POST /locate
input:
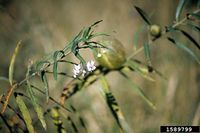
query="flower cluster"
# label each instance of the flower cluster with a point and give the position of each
(78, 69)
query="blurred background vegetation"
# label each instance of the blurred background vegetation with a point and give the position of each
(47, 25)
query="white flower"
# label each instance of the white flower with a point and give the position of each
(91, 66)
(77, 70)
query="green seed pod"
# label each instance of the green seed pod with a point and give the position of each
(155, 30)
(113, 56)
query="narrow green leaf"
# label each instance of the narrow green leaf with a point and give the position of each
(136, 36)
(147, 52)
(81, 59)
(57, 54)
(98, 34)
(194, 27)
(149, 69)
(170, 29)
(139, 70)
(75, 42)
(190, 38)
(95, 23)
(86, 32)
(114, 107)
(140, 92)
(186, 49)
(87, 35)
(38, 109)
(143, 15)
(46, 84)
(196, 15)
(71, 44)
(75, 50)
(179, 9)
(25, 113)
(12, 62)
(40, 64)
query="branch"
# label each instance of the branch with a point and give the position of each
(164, 32)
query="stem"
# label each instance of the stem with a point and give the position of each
(63, 74)
(42, 69)
(163, 33)
(184, 19)
(51, 98)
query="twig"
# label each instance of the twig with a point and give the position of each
(63, 74)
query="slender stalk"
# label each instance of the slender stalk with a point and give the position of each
(51, 98)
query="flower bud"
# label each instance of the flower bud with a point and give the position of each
(155, 30)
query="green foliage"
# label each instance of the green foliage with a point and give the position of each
(136, 36)
(12, 63)
(85, 39)
(186, 49)
(139, 91)
(34, 101)
(147, 52)
(190, 38)
(179, 8)
(196, 15)
(144, 15)
(25, 113)
(55, 65)
(139, 70)
(194, 27)
(46, 84)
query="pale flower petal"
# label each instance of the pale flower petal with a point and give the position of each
(77, 67)
(91, 66)
(76, 70)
